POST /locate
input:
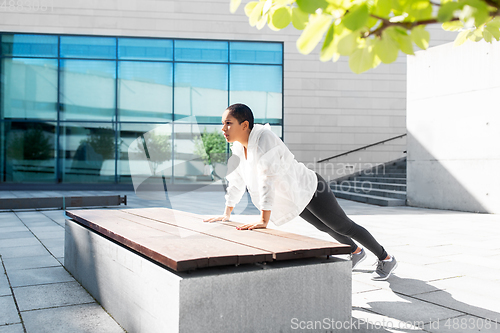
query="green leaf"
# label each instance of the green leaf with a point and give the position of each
(313, 33)
(310, 6)
(452, 26)
(461, 38)
(420, 37)
(476, 35)
(363, 58)
(356, 18)
(249, 7)
(386, 49)
(299, 18)
(382, 8)
(401, 37)
(256, 13)
(480, 11)
(347, 41)
(446, 11)
(233, 5)
(488, 37)
(328, 48)
(281, 17)
(494, 31)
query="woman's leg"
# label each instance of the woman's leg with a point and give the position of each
(325, 207)
(312, 219)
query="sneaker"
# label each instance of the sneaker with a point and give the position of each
(356, 258)
(384, 269)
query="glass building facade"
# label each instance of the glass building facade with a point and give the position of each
(71, 106)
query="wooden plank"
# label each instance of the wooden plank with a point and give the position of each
(283, 248)
(164, 244)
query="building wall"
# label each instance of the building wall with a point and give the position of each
(328, 110)
(454, 128)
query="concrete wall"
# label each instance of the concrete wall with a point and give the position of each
(328, 109)
(454, 128)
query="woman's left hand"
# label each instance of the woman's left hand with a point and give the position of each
(250, 226)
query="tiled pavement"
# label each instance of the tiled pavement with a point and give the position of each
(448, 279)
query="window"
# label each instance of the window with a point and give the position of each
(73, 107)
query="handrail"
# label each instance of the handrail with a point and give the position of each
(364, 147)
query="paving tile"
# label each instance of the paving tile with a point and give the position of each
(19, 242)
(4, 283)
(23, 251)
(465, 301)
(30, 262)
(463, 324)
(401, 307)
(367, 321)
(37, 276)
(51, 295)
(50, 234)
(8, 314)
(85, 318)
(5, 231)
(14, 328)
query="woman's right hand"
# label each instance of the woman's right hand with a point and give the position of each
(217, 218)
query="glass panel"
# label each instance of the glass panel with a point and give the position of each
(145, 49)
(135, 161)
(200, 90)
(29, 45)
(88, 152)
(28, 152)
(88, 47)
(259, 87)
(29, 88)
(200, 153)
(256, 53)
(200, 51)
(88, 90)
(145, 91)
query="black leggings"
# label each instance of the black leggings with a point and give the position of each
(324, 212)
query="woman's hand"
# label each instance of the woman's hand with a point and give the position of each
(222, 218)
(251, 226)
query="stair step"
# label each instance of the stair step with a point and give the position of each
(384, 175)
(375, 192)
(382, 179)
(370, 199)
(366, 185)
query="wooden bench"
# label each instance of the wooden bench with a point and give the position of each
(162, 270)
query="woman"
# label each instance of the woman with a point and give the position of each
(262, 163)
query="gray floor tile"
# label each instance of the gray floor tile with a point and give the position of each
(54, 234)
(87, 318)
(15, 328)
(4, 284)
(23, 251)
(8, 314)
(19, 242)
(14, 232)
(51, 295)
(30, 262)
(36, 276)
(463, 324)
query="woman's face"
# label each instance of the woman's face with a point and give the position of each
(233, 130)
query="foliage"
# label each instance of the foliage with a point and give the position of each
(211, 147)
(158, 148)
(102, 140)
(31, 144)
(373, 31)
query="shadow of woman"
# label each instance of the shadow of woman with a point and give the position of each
(415, 304)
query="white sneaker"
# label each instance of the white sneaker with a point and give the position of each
(356, 258)
(384, 269)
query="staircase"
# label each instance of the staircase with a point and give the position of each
(384, 185)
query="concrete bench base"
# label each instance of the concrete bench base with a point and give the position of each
(143, 296)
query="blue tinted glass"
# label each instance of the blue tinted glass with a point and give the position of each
(204, 51)
(29, 45)
(87, 152)
(88, 90)
(259, 87)
(201, 90)
(29, 88)
(145, 91)
(147, 49)
(256, 53)
(28, 152)
(88, 47)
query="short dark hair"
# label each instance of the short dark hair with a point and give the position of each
(241, 112)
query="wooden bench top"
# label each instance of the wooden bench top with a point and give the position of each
(182, 241)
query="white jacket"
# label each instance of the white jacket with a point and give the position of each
(275, 180)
